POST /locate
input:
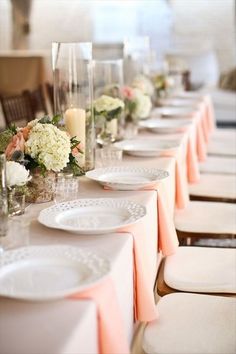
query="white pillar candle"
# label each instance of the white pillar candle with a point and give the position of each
(75, 122)
(112, 127)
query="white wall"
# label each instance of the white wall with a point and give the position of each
(73, 20)
(212, 20)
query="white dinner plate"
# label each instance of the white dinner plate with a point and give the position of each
(179, 102)
(146, 147)
(92, 216)
(127, 178)
(40, 273)
(165, 126)
(172, 112)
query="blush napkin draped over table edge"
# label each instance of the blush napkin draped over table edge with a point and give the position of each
(111, 333)
(145, 308)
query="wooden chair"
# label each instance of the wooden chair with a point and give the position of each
(219, 165)
(192, 324)
(38, 101)
(17, 108)
(223, 143)
(198, 270)
(201, 220)
(214, 188)
(49, 92)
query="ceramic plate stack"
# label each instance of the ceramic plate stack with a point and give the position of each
(146, 147)
(127, 178)
(42, 273)
(165, 126)
(172, 112)
(92, 216)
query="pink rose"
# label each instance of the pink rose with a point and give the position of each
(25, 131)
(128, 92)
(17, 144)
(76, 150)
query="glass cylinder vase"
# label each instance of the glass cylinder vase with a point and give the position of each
(3, 199)
(73, 95)
(136, 53)
(108, 81)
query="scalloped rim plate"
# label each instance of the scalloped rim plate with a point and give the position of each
(42, 273)
(165, 126)
(127, 178)
(173, 112)
(146, 147)
(92, 216)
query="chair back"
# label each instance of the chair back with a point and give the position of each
(38, 102)
(17, 108)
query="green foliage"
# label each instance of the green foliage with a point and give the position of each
(5, 138)
(54, 120)
(74, 167)
(108, 115)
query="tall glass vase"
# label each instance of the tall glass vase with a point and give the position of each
(3, 200)
(73, 95)
(108, 80)
(136, 52)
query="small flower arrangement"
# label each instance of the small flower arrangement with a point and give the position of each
(108, 107)
(145, 85)
(162, 84)
(16, 174)
(41, 145)
(137, 104)
(107, 111)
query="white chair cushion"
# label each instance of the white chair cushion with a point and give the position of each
(207, 217)
(216, 164)
(224, 134)
(223, 98)
(202, 269)
(192, 324)
(222, 186)
(222, 147)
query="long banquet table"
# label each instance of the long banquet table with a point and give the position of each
(72, 325)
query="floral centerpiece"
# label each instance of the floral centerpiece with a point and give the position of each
(137, 106)
(144, 84)
(44, 150)
(106, 109)
(162, 83)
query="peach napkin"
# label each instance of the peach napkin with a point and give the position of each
(200, 142)
(181, 183)
(145, 237)
(192, 161)
(209, 114)
(112, 338)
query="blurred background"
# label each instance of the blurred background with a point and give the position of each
(196, 35)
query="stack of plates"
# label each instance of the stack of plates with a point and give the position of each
(127, 178)
(92, 216)
(172, 112)
(42, 273)
(146, 147)
(165, 126)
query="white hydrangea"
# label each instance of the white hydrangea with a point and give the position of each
(32, 123)
(145, 85)
(16, 174)
(107, 104)
(49, 146)
(143, 104)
